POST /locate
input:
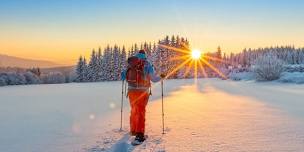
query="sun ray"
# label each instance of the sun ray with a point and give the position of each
(215, 59)
(219, 60)
(174, 48)
(185, 46)
(195, 69)
(179, 58)
(195, 72)
(197, 61)
(214, 68)
(203, 69)
(188, 68)
(177, 68)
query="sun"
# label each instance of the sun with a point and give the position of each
(196, 54)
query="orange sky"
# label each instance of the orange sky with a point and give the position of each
(67, 50)
(61, 31)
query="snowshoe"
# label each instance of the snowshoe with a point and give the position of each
(139, 139)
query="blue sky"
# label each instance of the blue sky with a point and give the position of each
(45, 28)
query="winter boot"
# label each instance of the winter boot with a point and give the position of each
(139, 139)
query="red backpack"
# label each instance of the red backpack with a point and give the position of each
(135, 75)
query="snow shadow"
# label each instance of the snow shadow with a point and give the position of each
(121, 145)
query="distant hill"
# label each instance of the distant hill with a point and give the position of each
(66, 70)
(11, 61)
(63, 69)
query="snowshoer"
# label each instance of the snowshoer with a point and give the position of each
(139, 74)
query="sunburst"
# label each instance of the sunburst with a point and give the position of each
(196, 54)
(193, 59)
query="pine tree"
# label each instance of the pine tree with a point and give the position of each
(116, 63)
(81, 70)
(93, 67)
(107, 64)
(86, 70)
(173, 41)
(301, 56)
(164, 56)
(111, 66)
(149, 50)
(123, 59)
(131, 51)
(99, 65)
(219, 52)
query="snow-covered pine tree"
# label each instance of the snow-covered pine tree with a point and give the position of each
(80, 76)
(130, 51)
(93, 67)
(107, 63)
(148, 49)
(85, 70)
(111, 65)
(219, 52)
(164, 56)
(99, 65)
(79, 69)
(289, 57)
(135, 49)
(297, 56)
(172, 55)
(301, 56)
(116, 63)
(155, 58)
(123, 59)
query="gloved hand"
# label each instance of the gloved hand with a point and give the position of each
(162, 76)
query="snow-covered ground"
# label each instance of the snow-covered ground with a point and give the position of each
(207, 115)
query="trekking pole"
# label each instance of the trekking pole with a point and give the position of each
(163, 114)
(121, 106)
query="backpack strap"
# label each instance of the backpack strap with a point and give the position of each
(150, 91)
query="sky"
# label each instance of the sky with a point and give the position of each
(62, 30)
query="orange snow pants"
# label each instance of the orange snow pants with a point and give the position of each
(138, 101)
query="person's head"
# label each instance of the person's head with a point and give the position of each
(142, 51)
(141, 54)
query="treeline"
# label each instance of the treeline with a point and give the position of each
(108, 64)
(165, 55)
(19, 76)
(288, 54)
(102, 66)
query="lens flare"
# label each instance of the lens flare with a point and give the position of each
(112, 105)
(92, 116)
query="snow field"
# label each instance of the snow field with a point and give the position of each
(202, 115)
(205, 117)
